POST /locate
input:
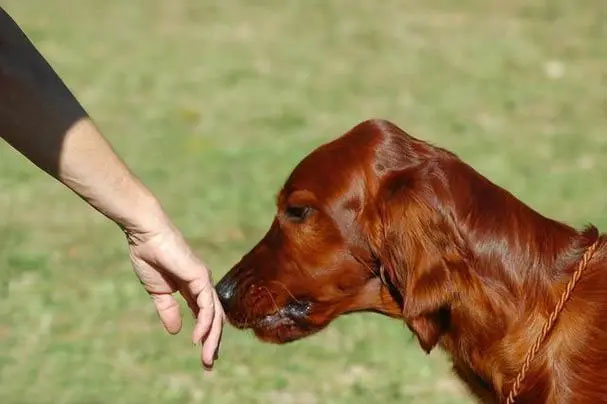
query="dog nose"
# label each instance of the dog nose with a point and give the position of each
(225, 290)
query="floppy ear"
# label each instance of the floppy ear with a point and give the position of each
(427, 295)
(418, 250)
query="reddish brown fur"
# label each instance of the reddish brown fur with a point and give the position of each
(466, 265)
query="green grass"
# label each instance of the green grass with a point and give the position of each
(212, 104)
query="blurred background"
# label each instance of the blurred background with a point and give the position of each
(212, 104)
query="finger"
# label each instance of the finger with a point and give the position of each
(187, 296)
(210, 348)
(168, 311)
(206, 306)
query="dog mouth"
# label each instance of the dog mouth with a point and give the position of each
(291, 313)
(294, 312)
(286, 324)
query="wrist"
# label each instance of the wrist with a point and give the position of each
(146, 220)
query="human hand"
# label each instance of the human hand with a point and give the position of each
(165, 264)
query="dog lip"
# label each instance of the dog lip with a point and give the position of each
(297, 309)
(291, 314)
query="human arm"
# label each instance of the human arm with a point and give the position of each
(41, 118)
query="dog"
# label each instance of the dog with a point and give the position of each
(378, 220)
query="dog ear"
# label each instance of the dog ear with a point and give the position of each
(427, 295)
(418, 251)
(428, 328)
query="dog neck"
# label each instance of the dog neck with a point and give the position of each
(479, 274)
(505, 250)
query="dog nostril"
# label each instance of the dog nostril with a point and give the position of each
(225, 290)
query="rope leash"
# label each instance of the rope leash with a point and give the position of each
(515, 389)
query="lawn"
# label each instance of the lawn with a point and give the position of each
(212, 104)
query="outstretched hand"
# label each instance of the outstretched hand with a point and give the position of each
(165, 264)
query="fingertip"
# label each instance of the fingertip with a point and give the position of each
(171, 322)
(168, 311)
(210, 348)
(207, 361)
(173, 328)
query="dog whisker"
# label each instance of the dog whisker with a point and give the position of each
(278, 311)
(287, 290)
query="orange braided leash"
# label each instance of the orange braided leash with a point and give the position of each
(515, 389)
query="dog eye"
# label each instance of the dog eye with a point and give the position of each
(298, 213)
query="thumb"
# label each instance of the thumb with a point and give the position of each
(168, 311)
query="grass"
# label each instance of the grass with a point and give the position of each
(212, 104)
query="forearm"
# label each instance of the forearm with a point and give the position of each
(42, 119)
(90, 167)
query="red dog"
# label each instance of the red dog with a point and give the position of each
(377, 220)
